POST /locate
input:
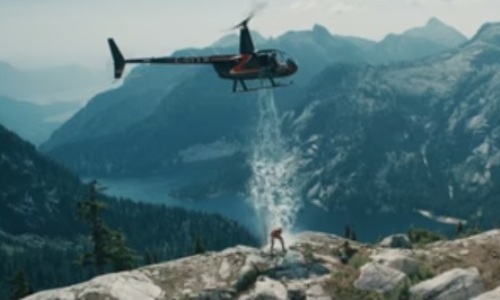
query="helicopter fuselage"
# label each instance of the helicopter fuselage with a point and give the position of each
(263, 64)
(248, 64)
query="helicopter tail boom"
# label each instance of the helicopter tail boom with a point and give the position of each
(119, 61)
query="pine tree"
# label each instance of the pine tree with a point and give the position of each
(89, 212)
(347, 231)
(354, 236)
(151, 257)
(108, 246)
(121, 257)
(460, 228)
(199, 248)
(20, 287)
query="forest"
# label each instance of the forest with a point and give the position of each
(46, 236)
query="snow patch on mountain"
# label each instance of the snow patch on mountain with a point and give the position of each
(218, 149)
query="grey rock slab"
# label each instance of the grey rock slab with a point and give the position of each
(455, 284)
(379, 278)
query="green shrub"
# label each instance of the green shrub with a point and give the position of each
(423, 236)
(425, 271)
(358, 260)
(402, 292)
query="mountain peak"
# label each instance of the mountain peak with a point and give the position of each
(321, 30)
(438, 32)
(488, 33)
(434, 22)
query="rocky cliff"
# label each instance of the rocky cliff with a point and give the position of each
(312, 269)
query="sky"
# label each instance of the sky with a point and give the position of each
(41, 33)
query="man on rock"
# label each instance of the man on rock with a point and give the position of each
(276, 234)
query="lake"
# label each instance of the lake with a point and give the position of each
(369, 228)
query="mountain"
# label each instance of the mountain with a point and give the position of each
(54, 84)
(437, 32)
(32, 199)
(416, 43)
(34, 122)
(40, 231)
(117, 132)
(115, 110)
(415, 135)
(181, 120)
(232, 41)
(312, 269)
(315, 49)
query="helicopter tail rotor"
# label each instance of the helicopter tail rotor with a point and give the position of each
(118, 60)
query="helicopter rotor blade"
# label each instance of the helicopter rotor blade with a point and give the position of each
(258, 6)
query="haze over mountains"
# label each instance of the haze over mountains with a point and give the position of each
(70, 83)
(34, 122)
(33, 103)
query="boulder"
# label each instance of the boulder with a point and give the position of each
(491, 295)
(316, 292)
(397, 260)
(396, 241)
(379, 278)
(268, 289)
(124, 286)
(455, 284)
(293, 266)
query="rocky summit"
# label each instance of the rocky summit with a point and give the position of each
(316, 266)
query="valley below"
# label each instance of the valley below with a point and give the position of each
(239, 207)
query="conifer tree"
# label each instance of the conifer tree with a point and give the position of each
(350, 233)
(151, 257)
(354, 236)
(89, 211)
(199, 247)
(109, 246)
(20, 287)
(347, 231)
(121, 257)
(460, 228)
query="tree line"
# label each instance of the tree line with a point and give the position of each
(118, 235)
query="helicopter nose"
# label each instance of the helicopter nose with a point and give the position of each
(292, 66)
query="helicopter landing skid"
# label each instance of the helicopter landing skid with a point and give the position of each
(262, 87)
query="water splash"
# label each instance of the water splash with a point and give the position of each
(272, 188)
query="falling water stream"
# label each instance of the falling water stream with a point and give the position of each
(274, 165)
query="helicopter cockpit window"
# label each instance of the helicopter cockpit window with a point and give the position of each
(273, 58)
(280, 57)
(264, 60)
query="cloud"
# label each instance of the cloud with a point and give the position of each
(335, 6)
(304, 5)
(430, 2)
(341, 7)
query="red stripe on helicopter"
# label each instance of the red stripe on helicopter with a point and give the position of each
(240, 67)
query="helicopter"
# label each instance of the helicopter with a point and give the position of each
(248, 64)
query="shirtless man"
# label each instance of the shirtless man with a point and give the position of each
(276, 234)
